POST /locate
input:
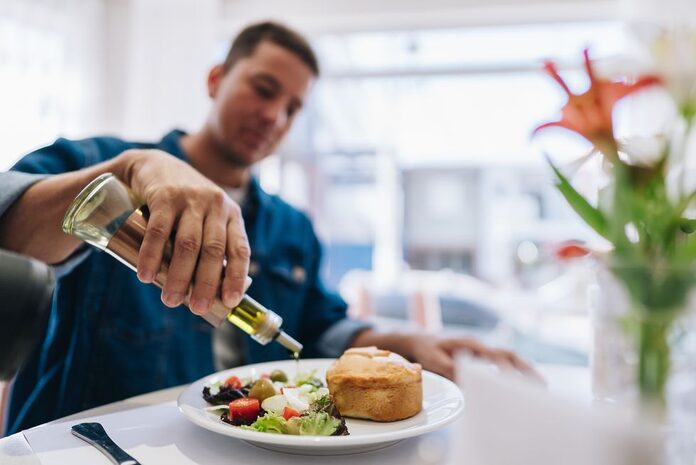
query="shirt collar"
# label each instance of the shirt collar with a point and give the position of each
(170, 143)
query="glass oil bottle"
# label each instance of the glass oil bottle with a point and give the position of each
(111, 217)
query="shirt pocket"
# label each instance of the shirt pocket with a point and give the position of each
(289, 274)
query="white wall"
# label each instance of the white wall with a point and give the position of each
(75, 68)
(50, 61)
(143, 63)
(161, 49)
(320, 16)
(160, 52)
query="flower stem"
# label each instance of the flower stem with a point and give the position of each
(654, 360)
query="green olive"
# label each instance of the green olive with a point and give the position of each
(262, 390)
(279, 375)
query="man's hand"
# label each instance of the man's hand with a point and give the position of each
(208, 228)
(437, 354)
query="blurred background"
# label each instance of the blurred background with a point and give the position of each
(413, 155)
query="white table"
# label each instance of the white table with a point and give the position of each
(431, 448)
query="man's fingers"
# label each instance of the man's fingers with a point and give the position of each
(434, 357)
(524, 367)
(187, 246)
(447, 370)
(238, 254)
(518, 362)
(208, 225)
(209, 269)
(440, 363)
(453, 345)
(159, 228)
(510, 361)
(500, 358)
(503, 358)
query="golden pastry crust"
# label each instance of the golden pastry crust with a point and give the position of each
(375, 384)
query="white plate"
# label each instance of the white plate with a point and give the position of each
(442, 403)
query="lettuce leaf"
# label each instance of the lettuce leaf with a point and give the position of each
(318, 424)
(269, 423)
(308, 378)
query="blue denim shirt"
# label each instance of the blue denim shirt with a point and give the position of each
(109, 337)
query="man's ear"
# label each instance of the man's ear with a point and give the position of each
(215, 76)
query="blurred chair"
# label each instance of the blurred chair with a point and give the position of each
(26, 287)
(3, 401)
(424, 310)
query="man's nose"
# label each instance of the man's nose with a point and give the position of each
(275, 114)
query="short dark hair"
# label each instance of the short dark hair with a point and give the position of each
(245, 44)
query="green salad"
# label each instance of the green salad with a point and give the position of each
(274, 404)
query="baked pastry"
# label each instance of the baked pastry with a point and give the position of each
(375, 384)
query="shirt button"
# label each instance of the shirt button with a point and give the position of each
(254, 268)
(299, 274)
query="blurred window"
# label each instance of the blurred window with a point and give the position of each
(46, 72)
(448, 96)
(448, 105)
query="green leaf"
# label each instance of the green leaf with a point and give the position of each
(269, 423)
(308, 378)
(687, 225)
(687, 253)
(591, 215)
(685, 202)
(318, 424)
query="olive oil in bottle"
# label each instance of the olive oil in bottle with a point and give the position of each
(261, 324)
(109, 216)
(247, 317)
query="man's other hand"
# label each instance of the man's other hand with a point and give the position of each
(437, 355)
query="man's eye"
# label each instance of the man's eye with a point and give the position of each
(292, 110)
(264, 92)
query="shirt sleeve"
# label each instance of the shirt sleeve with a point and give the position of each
(335, 340)
(60, 157)
(13, 186)
(325, 322)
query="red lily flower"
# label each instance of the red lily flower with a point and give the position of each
(590, 114)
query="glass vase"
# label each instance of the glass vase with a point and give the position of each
(644, 350)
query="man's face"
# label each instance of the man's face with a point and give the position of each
(255, 102)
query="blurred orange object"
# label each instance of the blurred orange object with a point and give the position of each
(571, 250)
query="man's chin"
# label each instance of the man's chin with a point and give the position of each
(243, 159)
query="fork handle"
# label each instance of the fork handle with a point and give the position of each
(94, 434)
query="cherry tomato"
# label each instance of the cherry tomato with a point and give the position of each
(244, 410)
(233, 382)
(289, 412)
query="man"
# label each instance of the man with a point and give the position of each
(109, 336)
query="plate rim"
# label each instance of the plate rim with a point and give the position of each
(313, 441)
